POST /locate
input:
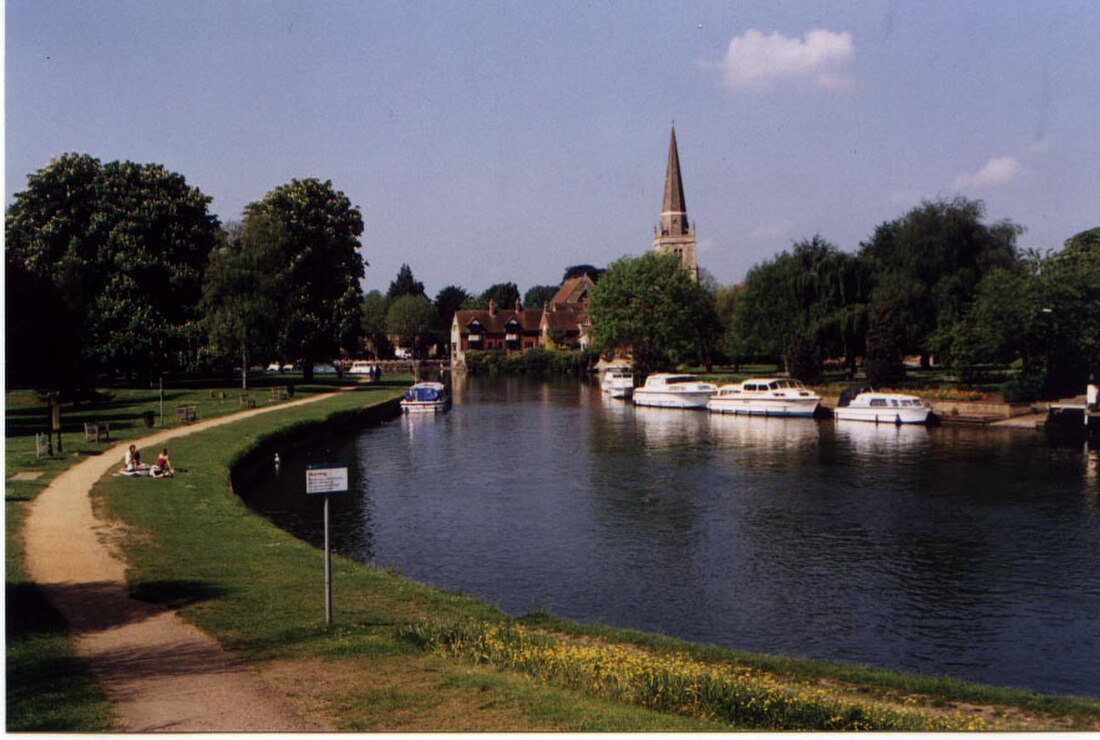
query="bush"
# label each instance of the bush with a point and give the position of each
(1024, 387)
(534, 362)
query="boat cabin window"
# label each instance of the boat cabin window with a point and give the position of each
(681, 379)
(878, 402)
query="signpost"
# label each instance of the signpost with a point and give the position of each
(323, 480)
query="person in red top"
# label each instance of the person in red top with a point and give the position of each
(162, 467)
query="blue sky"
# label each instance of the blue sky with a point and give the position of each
(495, 141)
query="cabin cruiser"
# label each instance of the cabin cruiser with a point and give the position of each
(863, 403)
(426, 396)
(765, 397)
(670, 390)
(618, 382)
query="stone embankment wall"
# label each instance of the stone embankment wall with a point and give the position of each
(948, 410)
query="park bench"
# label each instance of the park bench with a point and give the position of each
(279, 394)
(247, 402)
(97, 431)
(217, 395)
(187, 412)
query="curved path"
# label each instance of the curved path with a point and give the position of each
(160, 672)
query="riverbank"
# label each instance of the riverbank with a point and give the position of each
(193, 546)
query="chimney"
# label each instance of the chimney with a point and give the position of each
(519, 306)
(492, 307)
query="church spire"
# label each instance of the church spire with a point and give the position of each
(674, 207)
(674, 235)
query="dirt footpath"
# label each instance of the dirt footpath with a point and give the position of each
(161, 672)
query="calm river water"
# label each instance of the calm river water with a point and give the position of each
(968, 552)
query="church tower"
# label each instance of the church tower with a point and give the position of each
(674, 234)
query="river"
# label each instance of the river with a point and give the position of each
(968, 552)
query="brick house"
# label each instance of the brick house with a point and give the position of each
(506, 330)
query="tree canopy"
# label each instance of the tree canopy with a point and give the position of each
(121, 247)
(650, 305)
(503, 295)
(242, 293)
(412, 319)
(538, 296)
(321, 270)
(929, 263)
(404, 284)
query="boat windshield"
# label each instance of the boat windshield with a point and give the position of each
(422, 393)
(682, 379)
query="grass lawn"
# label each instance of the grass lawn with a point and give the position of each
(47, 686)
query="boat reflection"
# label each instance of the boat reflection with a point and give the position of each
(729, 430)
(665, 428)
(878, 439)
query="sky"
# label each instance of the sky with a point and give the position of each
(488, 142)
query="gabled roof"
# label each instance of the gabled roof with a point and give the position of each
(565, 318)
(495, 323)
(574, 290)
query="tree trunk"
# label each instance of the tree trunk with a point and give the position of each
(244, 371)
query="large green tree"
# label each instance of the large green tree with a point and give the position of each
(121, 247)
(374, 308)
(929, 262)
(413, 320)
(321, 269)
(242, 293)
(802, 306)
(650, 305)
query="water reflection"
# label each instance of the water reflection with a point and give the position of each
(938, 550)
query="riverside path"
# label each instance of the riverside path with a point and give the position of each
(161, 673)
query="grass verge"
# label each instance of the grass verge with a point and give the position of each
(193, 544)
(47, 686)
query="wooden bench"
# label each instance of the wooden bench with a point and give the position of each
(217, 395)
(97, 431)
(187, 412)
(278, 394)
(247, 402)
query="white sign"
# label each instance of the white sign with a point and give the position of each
(326, 480)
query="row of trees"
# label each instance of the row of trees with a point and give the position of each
(934, 282)
(119, 269)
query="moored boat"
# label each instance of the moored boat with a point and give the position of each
(670, 390)
(617, 382)
(427, 396)
(866, 404)
(765, 397)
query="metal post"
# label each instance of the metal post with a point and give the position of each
(162, 399)
(328, 570)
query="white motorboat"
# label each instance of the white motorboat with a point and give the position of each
(618, 382)
(765, 397)
(669, 390)
(427, 396)
(866, 404)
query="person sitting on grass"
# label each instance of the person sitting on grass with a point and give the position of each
(162, 466)
(132, 460)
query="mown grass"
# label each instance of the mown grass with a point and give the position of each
(48, 687)
(259, 592)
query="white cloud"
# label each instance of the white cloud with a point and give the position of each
(771, 229)
(756, 60)
(997, 171)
